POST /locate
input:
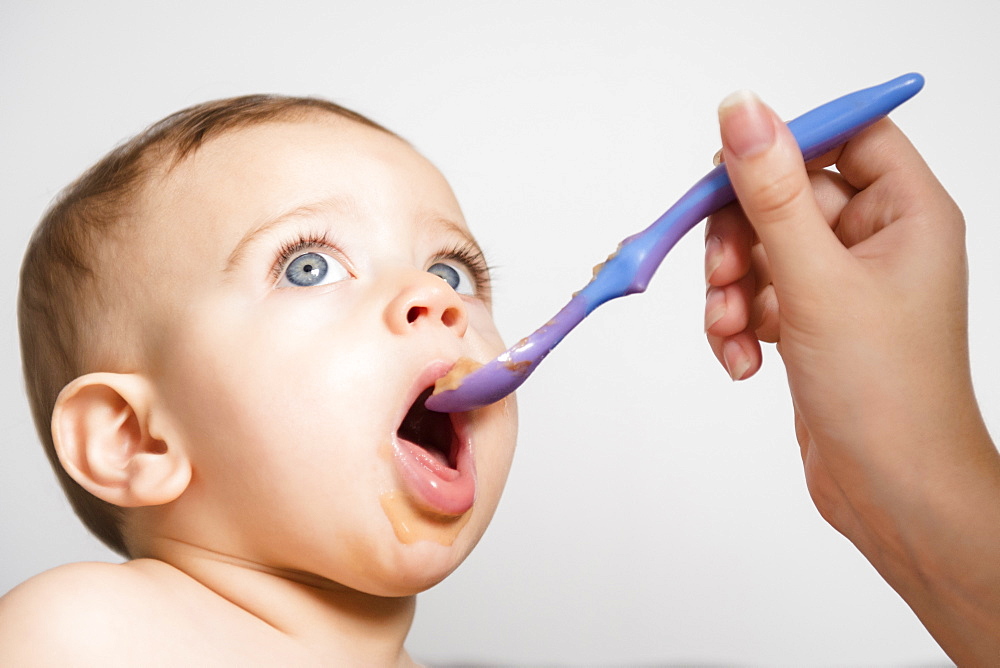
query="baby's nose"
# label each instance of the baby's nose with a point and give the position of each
(426, 300)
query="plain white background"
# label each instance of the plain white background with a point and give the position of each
(656, 511)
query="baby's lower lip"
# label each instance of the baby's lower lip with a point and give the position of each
(431, 484)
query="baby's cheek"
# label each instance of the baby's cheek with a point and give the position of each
(481, 322)
(495, 450)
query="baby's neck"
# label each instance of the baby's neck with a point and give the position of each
(327, 619)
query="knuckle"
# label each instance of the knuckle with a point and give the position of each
(777, 198)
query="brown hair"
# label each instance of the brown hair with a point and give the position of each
(61, 295)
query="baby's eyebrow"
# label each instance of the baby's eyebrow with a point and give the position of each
(333, 203)
(451, 227)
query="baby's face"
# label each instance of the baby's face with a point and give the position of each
(308, 282)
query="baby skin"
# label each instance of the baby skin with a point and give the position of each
(860, 277)
(285, 497)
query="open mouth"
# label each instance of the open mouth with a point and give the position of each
(432, 432)
(433, 457)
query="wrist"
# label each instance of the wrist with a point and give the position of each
(935, 538)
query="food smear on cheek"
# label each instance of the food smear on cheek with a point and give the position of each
(410, 525)
(453, 379)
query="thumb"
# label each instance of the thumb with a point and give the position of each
(769, 176)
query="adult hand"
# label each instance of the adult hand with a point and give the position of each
(860, 277)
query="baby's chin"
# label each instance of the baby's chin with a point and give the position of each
(418, 567)
(378, 564)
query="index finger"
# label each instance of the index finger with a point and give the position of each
(878, 150)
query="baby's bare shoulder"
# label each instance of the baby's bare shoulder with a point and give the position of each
(81, 612)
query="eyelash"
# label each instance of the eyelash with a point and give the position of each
(467, 253)
(300, 242)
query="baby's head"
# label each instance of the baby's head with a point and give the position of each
(228, 325)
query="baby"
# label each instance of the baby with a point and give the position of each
(231, 323)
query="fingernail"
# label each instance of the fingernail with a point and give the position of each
(715, 307)
(737, 362)
(717, 158)
(746, 126)
(713, 255)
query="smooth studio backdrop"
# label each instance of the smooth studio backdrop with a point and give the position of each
(656, 511)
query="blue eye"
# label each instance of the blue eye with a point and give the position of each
(454, 275)
(310, 269)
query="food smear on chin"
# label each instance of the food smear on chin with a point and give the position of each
(412, 525)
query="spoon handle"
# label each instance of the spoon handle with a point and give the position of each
(638, 257)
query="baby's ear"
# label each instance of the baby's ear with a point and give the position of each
(102, 434)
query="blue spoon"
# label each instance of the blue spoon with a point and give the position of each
(629, 268)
